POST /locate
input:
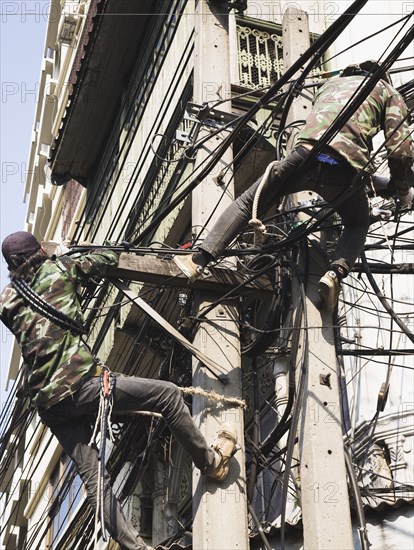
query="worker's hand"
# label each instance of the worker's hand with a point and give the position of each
(53, 248)
(406, 200)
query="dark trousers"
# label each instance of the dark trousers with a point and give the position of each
(69, 421)
(332, 182)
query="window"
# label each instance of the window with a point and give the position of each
(65, 491)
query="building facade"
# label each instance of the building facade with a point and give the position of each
(115, 142)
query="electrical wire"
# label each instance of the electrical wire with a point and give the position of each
(296, 413)
(366, 38)
(362, 527)
(384, 301)
(312, 55)
(285, 483)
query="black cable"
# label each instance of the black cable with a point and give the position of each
(383, 299)
(362, 526)
(252, 477)
(405, 18)
(313, 53)
(259, 527)
(239, 157)
(296, 413)
(39, 305)
(135, 109)
(148, 184)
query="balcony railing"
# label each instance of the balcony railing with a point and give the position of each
(260, 55)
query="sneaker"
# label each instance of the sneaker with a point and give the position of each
(329, 288)
(188, 267)
(225, 447)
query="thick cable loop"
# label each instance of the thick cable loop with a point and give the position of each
(38, 304)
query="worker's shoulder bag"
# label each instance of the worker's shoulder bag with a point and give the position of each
(40, 305)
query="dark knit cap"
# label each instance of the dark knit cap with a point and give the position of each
(22, 243)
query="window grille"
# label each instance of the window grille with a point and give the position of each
(164, 177)
(260, 55)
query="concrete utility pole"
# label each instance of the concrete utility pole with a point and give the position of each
(219, 509)
(323, 481)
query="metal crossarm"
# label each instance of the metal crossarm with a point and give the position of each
(213, 367)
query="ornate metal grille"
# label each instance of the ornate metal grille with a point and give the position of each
(260, 55)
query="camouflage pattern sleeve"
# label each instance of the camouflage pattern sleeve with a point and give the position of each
(384, 109)
(58, 361)
(89, 265)
(7, 291)
(398, 142)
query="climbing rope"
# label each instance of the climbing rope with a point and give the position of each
(199, 392)
(104, 421)
(214, 396)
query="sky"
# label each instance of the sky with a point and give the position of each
(22, 37)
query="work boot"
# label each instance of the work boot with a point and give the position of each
(188, 267)
(225, 447)
(329, 288)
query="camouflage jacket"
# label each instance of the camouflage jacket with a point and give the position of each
(384, 109)
(57, 361)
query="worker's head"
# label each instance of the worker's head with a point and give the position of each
(22, 251)
(366, 68)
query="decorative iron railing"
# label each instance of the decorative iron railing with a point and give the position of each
(260, 55)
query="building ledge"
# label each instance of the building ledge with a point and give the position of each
(115, 35)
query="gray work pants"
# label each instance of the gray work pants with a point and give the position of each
(330, 181)
(69, 421)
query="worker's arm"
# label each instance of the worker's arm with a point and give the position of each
(93, 264)
(399, 146)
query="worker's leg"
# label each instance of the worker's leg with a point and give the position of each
(74, 436)
(352, 205)
(355, 218)
(135, 394)
(238, 214)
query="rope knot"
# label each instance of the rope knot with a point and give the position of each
(259, 231)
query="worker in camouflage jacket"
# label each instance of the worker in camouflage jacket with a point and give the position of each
(345, 162)
(63, 378)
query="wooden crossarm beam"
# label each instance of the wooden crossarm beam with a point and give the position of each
(159, 272)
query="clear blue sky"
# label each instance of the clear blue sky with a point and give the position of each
(22, 36)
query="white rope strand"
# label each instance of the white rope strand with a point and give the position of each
(259, 227)
(199, 392)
